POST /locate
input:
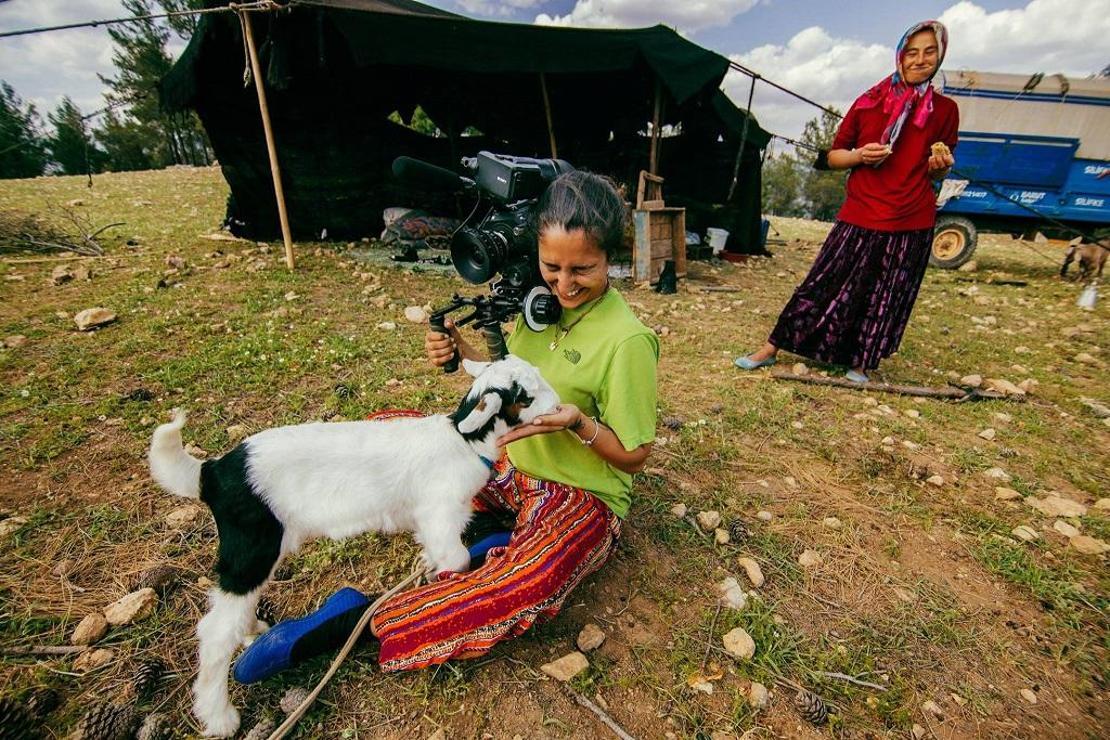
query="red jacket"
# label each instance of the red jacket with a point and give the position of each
(898, 194)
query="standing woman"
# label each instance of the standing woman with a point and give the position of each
(853, 307)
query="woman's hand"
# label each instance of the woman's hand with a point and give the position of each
(874, 154)
(440, 347)
(563, 417)
(940, 164)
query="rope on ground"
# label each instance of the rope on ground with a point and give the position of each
(296, 714)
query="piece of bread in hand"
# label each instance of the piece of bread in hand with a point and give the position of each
(940, 149)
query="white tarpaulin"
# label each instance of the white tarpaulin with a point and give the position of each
(1042, 105)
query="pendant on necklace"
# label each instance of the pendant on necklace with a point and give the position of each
(553, 345)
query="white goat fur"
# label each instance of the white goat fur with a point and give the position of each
(341, 479)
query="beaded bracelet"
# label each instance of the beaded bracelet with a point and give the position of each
(597, 430)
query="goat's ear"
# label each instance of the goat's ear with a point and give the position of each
(474, 368)
(481, 413)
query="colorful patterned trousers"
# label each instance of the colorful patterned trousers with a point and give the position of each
(562, 534)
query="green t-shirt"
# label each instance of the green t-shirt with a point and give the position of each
(605, 365)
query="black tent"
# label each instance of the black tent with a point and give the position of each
(336, 69)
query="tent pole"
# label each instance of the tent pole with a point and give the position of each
(271, 149)
(743, 142)
(653, 163)
(547, 112)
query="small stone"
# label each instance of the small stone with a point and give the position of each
(1004, 418)
(1029, 696)
(905, 594)
(182, 517)
(175, 261)
(932, 707)
(988, 434)
(61, 274)
(1103, 504)
(832, 522)
(566, 667)
(15, 340)
(11, 524)
(997, 474)
(788, 480)
(1003, 386)
(912, 413)
(235, 433)
(90, 660)
(888, 441)
(415, 315)
(764, 516)
(1065, 529)
(293, 699)
(387, 326)
(809, 559)
(731, 595)
(720, 536)
(132, 607)
(590, 638)
(935, 480)
(708, 520)
(1002, 493)
(910, 445)
(92, 318)
(1054, 505)
(1024, 533)
(918, 731)
(1086, 358)
(90, 630)
(679, 510)
(739, 644)
(1089, 545)
(1029, 385)
(392, 383)
(973, 381)
(758, 696)
(800, 368)
(754, 572)
(969, 266)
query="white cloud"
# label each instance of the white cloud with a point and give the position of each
(1067, 36)
(497, 7)
(688, 17)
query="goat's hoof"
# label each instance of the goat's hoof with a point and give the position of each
(223, 724)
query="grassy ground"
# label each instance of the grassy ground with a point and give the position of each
(921, 590)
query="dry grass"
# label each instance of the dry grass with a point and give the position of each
(920, 590)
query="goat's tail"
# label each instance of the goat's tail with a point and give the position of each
(170, 465)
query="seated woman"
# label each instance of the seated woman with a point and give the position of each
(565, 481)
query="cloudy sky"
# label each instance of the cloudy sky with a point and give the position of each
(828, 51)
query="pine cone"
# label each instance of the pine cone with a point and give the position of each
(162, 578)
(155, 727)
(810, 706)
(16, 722)
(109, 721)
(146, 678)
(43, 702)
(267, 611)
(262, 730)
(738, 531)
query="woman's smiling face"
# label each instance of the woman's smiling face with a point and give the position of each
(920, 57)
(573, 266)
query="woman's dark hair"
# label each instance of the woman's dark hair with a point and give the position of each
(583, 200)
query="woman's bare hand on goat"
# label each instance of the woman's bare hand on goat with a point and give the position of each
(563, 417)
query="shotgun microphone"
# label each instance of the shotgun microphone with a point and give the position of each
(421, 174)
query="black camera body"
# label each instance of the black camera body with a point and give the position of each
(498, 238)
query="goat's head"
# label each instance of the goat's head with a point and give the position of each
(510, 391)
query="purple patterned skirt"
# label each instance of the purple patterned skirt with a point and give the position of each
(854, 304)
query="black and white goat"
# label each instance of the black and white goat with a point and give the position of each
(284, 486)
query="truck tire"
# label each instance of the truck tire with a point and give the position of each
(954, 241)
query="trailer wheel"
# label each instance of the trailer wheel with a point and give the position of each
(954, 241)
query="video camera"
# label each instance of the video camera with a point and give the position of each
(498, 237)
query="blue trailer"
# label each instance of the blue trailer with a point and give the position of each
(1031, 149)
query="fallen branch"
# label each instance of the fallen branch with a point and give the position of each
(44, 650)
(601, 714)
(952, 392)
(849, 679)
(719, 288)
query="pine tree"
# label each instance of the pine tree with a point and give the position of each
(22, 149)
(823, 190)
(141, 60)
(71, 145)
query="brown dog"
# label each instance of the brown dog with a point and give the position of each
(1092, 258)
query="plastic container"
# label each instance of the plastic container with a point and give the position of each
(717, 239)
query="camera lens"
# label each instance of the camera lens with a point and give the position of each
(477, 254)
(541, 308)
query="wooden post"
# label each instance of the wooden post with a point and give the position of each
(264, 109)
(656, 121)
(743, 142)
(547, 112)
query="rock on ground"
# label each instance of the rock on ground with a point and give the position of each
(755, 573)
(132, 607)
(91, 629)
(566, 667)
(739, 644)
(92, 318)
(590, 638)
